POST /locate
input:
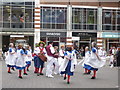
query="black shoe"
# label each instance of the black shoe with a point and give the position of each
(9, 72)
(41, 74)
(13, 69)
(64, 78)
(20, 77)
(38, 74)
(85, 73)
(93, 78)
(27, 69)
(68, 82)
(25, 74)
(35, 72)
(89, 72)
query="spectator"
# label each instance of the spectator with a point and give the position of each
(118, 57)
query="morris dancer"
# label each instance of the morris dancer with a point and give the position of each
(61, 57)
(29, 56)
(94, 62)
(67, 67)
(39, 62)
(50, 59)
(20, 62)
(11, 58)
(87, 56)
(35, 60)
(56, 64)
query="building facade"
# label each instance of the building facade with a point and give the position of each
(17, 22)
(64, 23)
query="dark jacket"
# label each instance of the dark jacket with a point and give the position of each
(118, 58)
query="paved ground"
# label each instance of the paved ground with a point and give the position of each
(0, 74)
(106, 78)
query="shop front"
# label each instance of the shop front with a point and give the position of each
(58, 38)
(85, 38)
(18, 39)
(110, 39)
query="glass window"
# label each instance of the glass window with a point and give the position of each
(29, 2)
(53, 17)
(17, 2)
(28, 18)
(7, 16)
(6, 2)
(110, 19)
(83, 18)
(47, 17)
(17, 14)
(1, 16)
(118, 17)
(90, 17)
(17, 17)
(118, 20)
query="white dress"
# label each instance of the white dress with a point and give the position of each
(20, 62)
(28, 56)
(61, 59)
(87, 56)
(75, 59)
(66, 61)
(11, 58)
(93, 61)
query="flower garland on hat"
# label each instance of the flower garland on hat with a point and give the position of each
(41, 42)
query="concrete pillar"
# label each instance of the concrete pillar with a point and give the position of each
(99, 28)
(69, 27)
(37, 22)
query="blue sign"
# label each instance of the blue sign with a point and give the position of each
(111, 35)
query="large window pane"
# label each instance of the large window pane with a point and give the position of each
(6, 13)
(17, 2)
(53, 17)
(6, 2)
(7, 16)
(47, 15)
(118, 17)
(90, 17)
(18, 17)
(110, 19)
(1, 16)
(83, 18)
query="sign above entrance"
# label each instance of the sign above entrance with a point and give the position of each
(110, 35)
(53, 34)
(16, 35)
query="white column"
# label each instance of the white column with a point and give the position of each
(99, 26)
(69, 26)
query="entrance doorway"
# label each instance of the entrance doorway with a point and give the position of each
(83, 44)
(112, 43)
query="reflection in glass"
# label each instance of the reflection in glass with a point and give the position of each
(53, 17)
(6, 14)
(111, 19)
(17, 15)
(83, 18)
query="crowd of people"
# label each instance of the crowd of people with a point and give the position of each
(58, 61)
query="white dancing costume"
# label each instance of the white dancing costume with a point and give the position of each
(75, 59)
(68, 65)
(11, 57)
(87, 56)
(28, 57)
(50, 61)
(93, 62)
(20, 62)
